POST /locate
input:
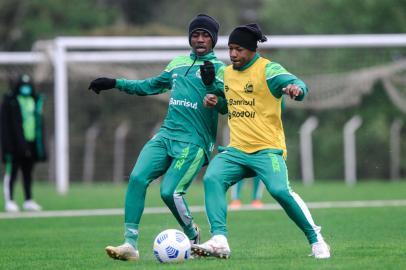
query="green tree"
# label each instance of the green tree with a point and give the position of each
(138, 11)
(333, 16)
(24, 22)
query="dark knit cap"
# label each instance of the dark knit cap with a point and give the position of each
(206, 23)
(247, 36)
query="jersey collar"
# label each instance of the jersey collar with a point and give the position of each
(250, 63)
(208, 56)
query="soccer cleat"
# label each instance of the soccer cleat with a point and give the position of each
(124, 252)
(11, 207)
(31, 205)
(257, 204)
(196, 240)
(235, 204)
(320, 250)
(217, 247)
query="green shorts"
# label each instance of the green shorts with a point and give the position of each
(234, 165)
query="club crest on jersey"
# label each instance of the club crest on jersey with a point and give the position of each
(249, 87)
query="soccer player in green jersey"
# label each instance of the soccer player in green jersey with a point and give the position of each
(185, 140)
(254, 87)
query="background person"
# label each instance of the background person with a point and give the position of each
(22, 139)
(256, 193)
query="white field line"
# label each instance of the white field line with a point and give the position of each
(196, 209)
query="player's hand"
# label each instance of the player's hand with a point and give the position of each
(210, 100)
(207, 72)
(102, 84)
(292, 90)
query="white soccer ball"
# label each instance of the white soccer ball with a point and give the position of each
(171, 246)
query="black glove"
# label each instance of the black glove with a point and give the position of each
(102, 84)
(207, 72)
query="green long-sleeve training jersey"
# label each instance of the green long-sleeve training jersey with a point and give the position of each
(187, 120)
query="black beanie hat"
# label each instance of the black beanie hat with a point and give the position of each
(206, 23)
(247, 36)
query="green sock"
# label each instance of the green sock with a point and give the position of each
(131, 234)
(190, 231)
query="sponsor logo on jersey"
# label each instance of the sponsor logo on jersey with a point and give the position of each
(183, 102)
(241, 114)
(237, 102)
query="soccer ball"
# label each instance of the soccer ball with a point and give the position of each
(171, 246)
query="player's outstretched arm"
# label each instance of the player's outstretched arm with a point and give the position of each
(101, 84)
(293, 91)
(282, 82)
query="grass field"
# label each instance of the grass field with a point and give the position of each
(361, 238)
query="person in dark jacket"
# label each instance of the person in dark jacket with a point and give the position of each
(22, 139)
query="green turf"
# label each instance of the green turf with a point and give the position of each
(112, 196)
(361, 238)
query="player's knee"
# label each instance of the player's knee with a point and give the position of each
(138, 180)
(279, 194)
(167, 195)
(210, 179)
